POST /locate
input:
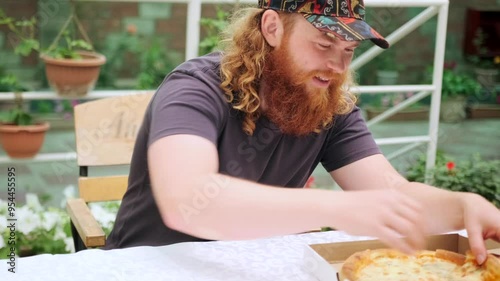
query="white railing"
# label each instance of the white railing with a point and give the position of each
(439, 7)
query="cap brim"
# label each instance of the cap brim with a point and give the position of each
(349, 29)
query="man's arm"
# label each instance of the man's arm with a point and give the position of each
(194, 198)
(443, 210)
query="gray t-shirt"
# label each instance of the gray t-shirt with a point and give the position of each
(190, 101)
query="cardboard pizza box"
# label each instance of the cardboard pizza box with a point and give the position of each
(324, 260)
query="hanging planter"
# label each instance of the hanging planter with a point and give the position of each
(22, 141)
(72, 68)
(73, 77)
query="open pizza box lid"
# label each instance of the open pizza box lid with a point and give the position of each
(324, 260)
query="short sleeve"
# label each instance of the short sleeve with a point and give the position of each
(349, 140)
(187, 103)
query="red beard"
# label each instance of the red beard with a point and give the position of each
(294, 108)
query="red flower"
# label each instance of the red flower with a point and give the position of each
(450, 165)
(309, 182)
(450, 65)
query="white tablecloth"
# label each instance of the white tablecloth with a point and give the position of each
(277, 258)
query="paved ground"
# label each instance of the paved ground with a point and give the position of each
(458, 140)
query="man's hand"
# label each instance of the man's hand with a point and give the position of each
(482, 221)
(387, 214)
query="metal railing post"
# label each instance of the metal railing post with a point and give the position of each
(437, 82)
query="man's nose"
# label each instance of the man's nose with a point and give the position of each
(337, 63)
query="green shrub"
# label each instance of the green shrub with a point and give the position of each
(455, 84)
(213, 27)
(473, 175)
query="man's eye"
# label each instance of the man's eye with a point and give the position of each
(324, 46)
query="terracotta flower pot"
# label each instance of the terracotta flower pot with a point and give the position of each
(72, 77)
(22, 141)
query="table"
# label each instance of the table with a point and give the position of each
(276, 258)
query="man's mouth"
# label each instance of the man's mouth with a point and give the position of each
(322, 78)
(321, 81)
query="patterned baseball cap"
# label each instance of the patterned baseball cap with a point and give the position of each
(343, 18)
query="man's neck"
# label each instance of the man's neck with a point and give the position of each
(263, 87)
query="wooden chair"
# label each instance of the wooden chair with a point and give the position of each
(105, 135)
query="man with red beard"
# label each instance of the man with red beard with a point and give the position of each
(230, 139)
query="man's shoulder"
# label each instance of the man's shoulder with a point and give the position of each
(197, 79)
(343, 119)
(204, 65)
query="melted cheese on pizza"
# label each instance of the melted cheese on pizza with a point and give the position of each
(413, 269)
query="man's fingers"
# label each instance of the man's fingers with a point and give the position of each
(393, 239)
(410, 223)
(477, 246)
(493, 234)
(408, 227)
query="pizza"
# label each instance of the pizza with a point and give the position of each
(439, 265)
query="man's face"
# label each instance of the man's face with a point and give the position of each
(303, 79)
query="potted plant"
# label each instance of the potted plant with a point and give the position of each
(20, 135)
(486, 66)
(456, 88)
(71, 65)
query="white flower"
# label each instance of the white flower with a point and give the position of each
(60, 235)
(68, 192)
(27, 220)
(103, 216)
(3, 206)
(50, 220)
(70, 246)
(33, 202)
(3, 224)
(2, 242)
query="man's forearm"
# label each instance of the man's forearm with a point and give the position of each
(443, 208)
(223, 207)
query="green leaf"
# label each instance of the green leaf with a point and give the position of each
(81, 44)
(26, 47)
(19, 117)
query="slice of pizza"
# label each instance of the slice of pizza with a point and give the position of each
(439, 265)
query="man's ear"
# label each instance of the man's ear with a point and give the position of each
(271, 27)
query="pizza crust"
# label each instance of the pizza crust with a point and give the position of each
(359, 260)
(492, 266)
(448, 265)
